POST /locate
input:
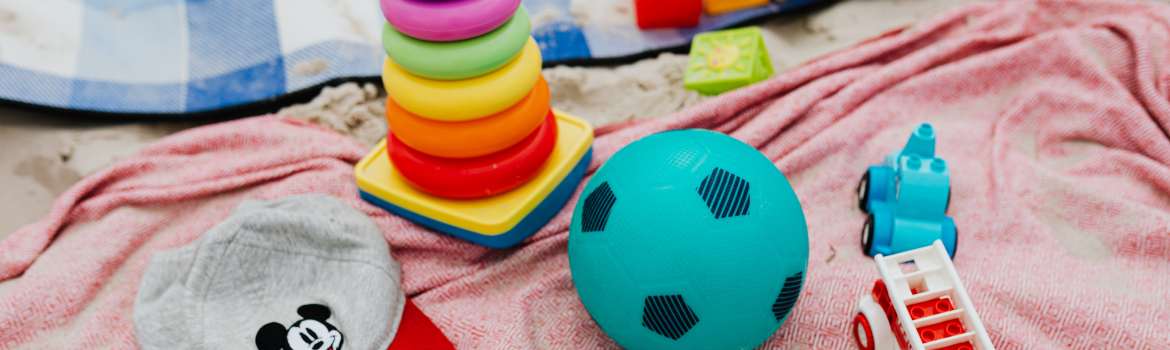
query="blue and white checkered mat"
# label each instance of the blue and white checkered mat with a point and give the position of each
(177, 57)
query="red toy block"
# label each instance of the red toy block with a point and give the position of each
(931, 307)
(668, 13)
(941, 331)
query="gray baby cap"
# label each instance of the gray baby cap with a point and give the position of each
(303, 272)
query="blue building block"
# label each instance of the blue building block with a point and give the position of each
(907, 198)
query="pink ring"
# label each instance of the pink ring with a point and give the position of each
(447, 20)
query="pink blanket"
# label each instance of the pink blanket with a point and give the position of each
(1053, 116)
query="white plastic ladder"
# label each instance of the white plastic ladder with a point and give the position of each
(930, 271)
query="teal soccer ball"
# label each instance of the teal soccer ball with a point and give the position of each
(688, 239)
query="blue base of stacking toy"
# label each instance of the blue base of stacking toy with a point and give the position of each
(531, 223)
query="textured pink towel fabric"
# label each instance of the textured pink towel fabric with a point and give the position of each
(1053, 116)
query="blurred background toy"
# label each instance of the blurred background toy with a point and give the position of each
(726, 60)
(688, 239)
(907, 198)
(652, 14)
(718, 7)
(918, 303)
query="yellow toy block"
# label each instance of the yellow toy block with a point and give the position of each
(726, 60)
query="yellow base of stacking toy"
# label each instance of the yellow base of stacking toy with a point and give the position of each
(460, 100)
(479, 219)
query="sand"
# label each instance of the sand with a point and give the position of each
(648, 88)
(351, 109)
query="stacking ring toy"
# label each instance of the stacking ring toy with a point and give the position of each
(449, 20)
(472, 138)
(458, 59)
(476, 177)
(459, 100)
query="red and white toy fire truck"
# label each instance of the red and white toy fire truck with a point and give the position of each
(919, 304)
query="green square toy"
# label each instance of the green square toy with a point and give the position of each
(727, 60)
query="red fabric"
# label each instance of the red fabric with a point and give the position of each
(1052, 115)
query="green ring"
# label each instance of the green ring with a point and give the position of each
(455, 60)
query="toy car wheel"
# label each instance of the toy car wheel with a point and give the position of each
(863, 191)
(867, 235)
(862, 332)
(871, 326)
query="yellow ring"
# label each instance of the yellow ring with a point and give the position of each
(468, 99)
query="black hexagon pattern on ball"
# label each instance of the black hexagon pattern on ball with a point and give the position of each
(787, 297)
(668, 315)
(598, 205)
(725, 193)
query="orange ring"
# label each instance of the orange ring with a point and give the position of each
(471, 138)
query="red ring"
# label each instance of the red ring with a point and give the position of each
(480, 176)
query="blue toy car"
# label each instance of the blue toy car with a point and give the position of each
(907, 199)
